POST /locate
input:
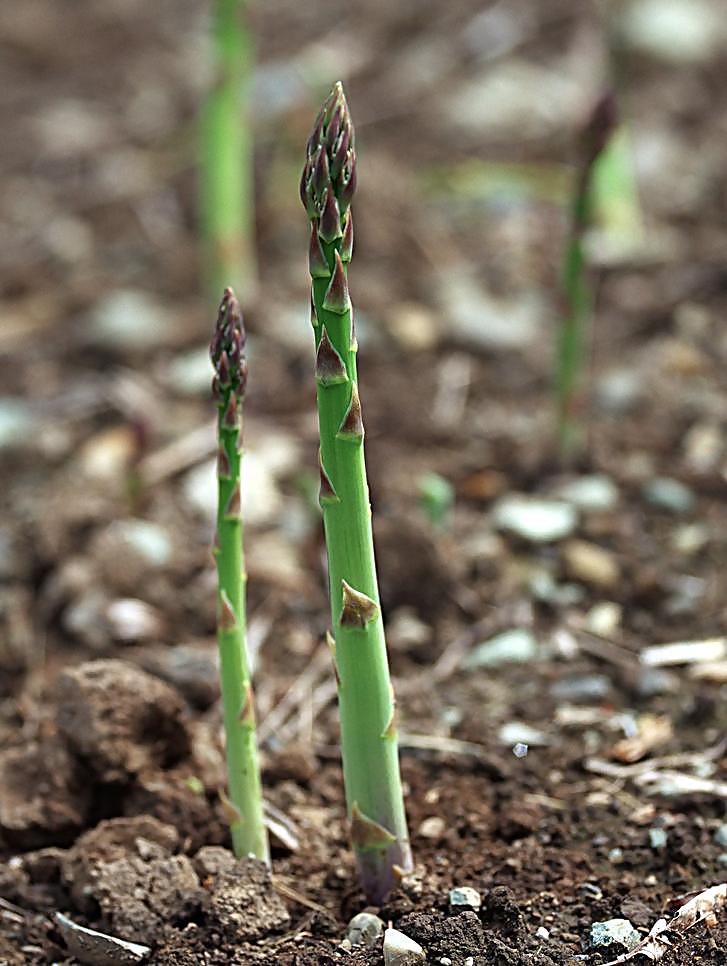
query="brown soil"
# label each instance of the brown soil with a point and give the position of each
(110, 757)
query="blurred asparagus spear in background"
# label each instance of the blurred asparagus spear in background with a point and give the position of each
(368, 727)
(577, 286)
(244, 804)
(226, 162)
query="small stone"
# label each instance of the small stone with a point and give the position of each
(678, 32)
(98, 948)
(542, 933)
(400, 950)
(16, 422)
(364, 929)
(615, 856)
(445, 961)
(604, 619)
(514, 733)
(433, 827)
(469, 961)
(190, 373)
(534, 519)
(722, 858)
(720, 836)
(619, 390)
(130, 320)
(596, 493)
(657, 838)
(614, 932)
(591, 564)
(464, 897)
(690, 538)
(520, 749)
(584, 687)
(669, 494)
(517, 646)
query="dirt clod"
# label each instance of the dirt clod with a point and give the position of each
(43, 799)
(126, 869)
(243, 903)
(120, 719)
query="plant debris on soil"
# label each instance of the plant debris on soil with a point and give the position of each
(557, 759)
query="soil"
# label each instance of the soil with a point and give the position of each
(574, 785)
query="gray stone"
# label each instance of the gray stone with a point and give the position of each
(585, 687)
(542, 933)
(614, 932)
(364, 929)
(132, 320)
(517, 646)
(98, 948)
(669, 494)
(657, 838)
(535, 519)
(464, 897)
(678, 32)
(517, 732)
(720, 836)
(16, 422)
(596, 492)
(401, 950)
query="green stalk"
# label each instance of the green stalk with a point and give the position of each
(577, 288)
(226, 163)
(244, 803)
(368, 730)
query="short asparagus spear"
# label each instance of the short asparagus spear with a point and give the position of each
(368, 726)
(577, 288)
(244, 802)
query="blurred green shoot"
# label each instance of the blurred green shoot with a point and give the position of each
(616, 205)
(436, 498)
(577, 286)
(226, 156)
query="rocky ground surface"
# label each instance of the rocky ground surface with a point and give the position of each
(562, 771)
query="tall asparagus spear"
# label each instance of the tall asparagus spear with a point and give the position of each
(368, 727)
(226, 157)
(244, 804)
(577, 287)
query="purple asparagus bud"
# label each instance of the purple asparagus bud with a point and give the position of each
(330, 162)
(598, 128)
(227, 350)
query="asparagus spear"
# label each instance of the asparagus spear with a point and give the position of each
(244, 804)
(577, 288)
(368, 727)
(226, 162)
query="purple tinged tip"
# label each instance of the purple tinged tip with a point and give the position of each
(329, 227)
(317, 264)
(234, 504)
(599, 127)
(347, 243)
(337, 298)
(223, 464)
(352, 426)
(231, 419)
(330, 367)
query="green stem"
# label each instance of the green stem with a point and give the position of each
(368, 729)
(244, 804)
(226, 168)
